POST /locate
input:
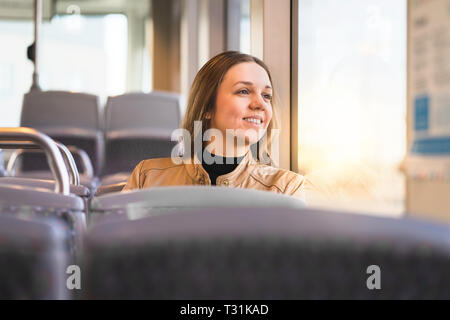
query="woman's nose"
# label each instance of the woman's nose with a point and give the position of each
(257, 102)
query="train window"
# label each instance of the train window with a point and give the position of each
(352, 102)
(78, 53)
(15, 75)
(244, 41)
(85, 53)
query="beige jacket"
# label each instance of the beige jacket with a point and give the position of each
(163, 172)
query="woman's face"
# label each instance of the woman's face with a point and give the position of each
(244, 102)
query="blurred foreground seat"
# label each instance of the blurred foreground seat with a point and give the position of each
(166, 200)
(243, 253)
(33, 203)
(62, 178)
(33, 258)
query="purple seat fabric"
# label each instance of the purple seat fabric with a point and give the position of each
(33, 258)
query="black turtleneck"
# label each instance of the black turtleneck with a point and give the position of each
(219, 166)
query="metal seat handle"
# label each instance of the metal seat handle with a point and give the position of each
(67, 156)
(86, 164)
(9, 137)
(70, 163)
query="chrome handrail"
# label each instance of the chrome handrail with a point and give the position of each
(11, 165)
(88, 169)
(2, 165)
(20, 137)
(70, 163)
(67, 157)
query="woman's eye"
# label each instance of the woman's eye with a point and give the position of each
(243, 91)
(268, 96)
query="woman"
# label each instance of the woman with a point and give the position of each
(231, 102)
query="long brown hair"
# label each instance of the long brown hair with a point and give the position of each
(203, 95)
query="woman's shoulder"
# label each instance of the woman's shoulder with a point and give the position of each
(157, 164)
(285, 180)
(146, 168)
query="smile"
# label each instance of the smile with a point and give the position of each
(253, 120)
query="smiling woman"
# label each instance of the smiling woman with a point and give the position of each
(230, 98)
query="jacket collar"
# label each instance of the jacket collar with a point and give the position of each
(236, 177)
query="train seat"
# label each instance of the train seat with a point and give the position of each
(34, 197)
(85, 178)
(33, 259)
(59, 159)
(139, 126)
(267, 253)
(164, 200)
(49, 184)
(25, 201)
(71, 118)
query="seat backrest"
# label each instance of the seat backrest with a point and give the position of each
(139, 126)
(123, 154)
(34, 182)
(71, 118)
(146, 112)
(266, 253)
(163, 200)
(49, 109)
(33, 260)
(31, 202)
